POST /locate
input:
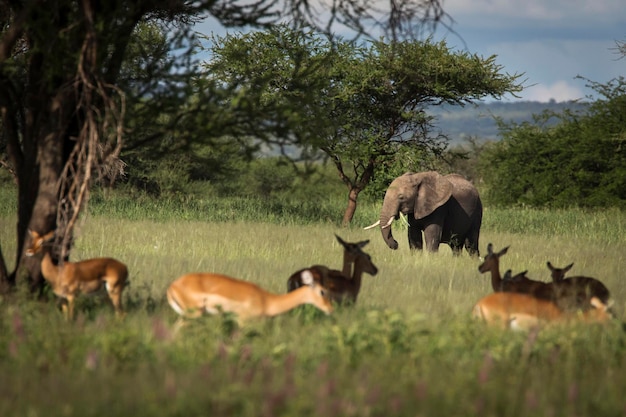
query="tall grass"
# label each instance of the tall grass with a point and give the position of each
(407, 348)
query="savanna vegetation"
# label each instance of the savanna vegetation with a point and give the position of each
(179, 164)
(563, 159)
(363, 107)
(408, 347)
(77, 78)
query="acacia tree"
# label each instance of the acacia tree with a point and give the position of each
(62, 105)
(361, 105)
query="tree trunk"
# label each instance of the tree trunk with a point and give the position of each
(351, 209)
(5, 284)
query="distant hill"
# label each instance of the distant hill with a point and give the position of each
(459, 123)
(477, 121)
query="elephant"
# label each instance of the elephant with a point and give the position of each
(447, 208)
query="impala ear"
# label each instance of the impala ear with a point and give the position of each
(307, 277)
(340, 240)
(363, 243)
(34, 235)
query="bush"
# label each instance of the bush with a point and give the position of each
(579, 162)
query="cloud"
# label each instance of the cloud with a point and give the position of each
(552, 66)
(558, 91)
(550, 42)
(560, 11)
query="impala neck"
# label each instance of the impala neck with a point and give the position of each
(496, 278)
(276, 304)
(48, 268)
(347, 266)
(357, 275)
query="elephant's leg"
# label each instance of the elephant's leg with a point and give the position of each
(471, 243)
(471, 240)
(415, 237)
(456, 244)
(432, 236)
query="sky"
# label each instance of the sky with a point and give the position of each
(550, 41)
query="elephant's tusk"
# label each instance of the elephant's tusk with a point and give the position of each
(388, 223)
(371, 226)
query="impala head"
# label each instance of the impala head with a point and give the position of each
(37, 242)
(319, 295)
(492, 259)
(353, 251)
(519, 277)
(558, 274)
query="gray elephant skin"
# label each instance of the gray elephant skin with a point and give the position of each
(446, 208)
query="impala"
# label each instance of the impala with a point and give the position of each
(518, 284)
(570, 294)
(558, 274)
(491, 263)
(522, 311)
(579, 288)
(351, 251)
(193, 295)
(341, 286)
(519, 277)
(70, 279)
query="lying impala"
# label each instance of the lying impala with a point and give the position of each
(579, 287)
(70, 279)
(570, 294)
(518, 284)
(195, 294)
(351, 252)
(341, 285)
(522, 311)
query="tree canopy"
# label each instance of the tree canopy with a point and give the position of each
(63, 95)
(361, 105)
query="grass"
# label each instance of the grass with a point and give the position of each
(407, 348)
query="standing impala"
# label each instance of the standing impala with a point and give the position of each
(341, 285)
(522, 311)
(70, 279)
(193, 295)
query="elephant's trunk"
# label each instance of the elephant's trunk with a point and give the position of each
(387, 215)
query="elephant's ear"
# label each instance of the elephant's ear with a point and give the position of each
(433, 191)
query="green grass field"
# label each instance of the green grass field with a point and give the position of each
(408, 348)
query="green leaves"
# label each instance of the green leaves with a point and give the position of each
(562, 160)
(361, 104)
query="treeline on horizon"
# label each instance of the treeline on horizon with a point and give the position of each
(560, 157)
(480, 120)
